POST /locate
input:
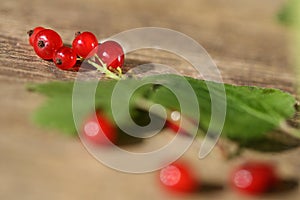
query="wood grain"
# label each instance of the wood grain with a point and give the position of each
(242, 37)
(252, 47)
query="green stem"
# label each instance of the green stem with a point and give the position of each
(105, 71)
(80, 59)
(101, 62)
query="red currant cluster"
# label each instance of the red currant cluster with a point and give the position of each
(48, 45)
(254, 178)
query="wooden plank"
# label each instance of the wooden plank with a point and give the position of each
(242, 37)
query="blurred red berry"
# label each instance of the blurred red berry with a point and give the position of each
(178, 177)
(99, 130)
(254, 178)
(173, 121)
(173, 126)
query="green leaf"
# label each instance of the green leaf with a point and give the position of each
(252, 112)
(56, 112)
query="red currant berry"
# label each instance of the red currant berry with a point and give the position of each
(111, 53)
(64, 58)
(254, 178)
(46, 42)
(173, 121)
(85, 44)
(178, 177)
(99, 130)
(32, 34)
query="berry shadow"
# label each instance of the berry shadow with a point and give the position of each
(68, 45)
(285, 186)
(126, 140)
(209, 188)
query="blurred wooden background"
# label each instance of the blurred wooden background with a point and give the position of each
(242, 36)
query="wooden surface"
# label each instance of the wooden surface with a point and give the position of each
(243, 38)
